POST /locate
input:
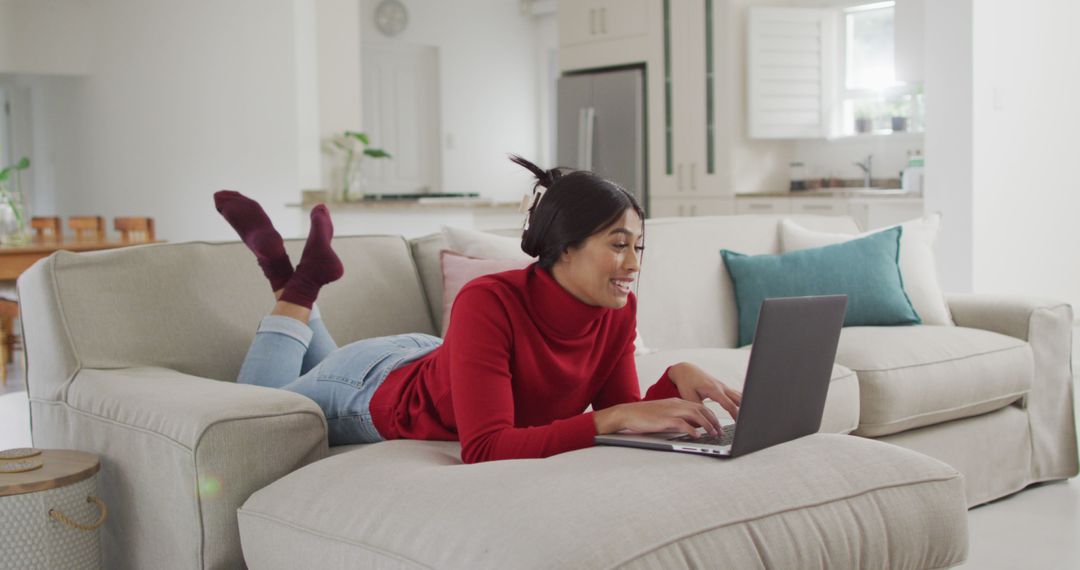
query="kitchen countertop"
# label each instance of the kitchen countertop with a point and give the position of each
(835, 193)
(424, 203)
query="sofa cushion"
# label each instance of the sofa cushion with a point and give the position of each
(729, 366)
(138, 306)
(413, 504)
(458, 270)
(685, 298)
(922, 375)
(864, 269)
(427, 253)
(917, 265)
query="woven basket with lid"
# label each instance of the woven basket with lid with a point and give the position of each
(50, 516)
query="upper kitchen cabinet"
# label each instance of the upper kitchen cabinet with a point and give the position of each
(604, 33)
(791, 72)
(687, 158)
(582, 21)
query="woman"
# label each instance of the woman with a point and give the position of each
(525, 353)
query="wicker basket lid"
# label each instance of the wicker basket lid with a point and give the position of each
(59, 468)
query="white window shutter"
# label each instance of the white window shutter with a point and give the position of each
(792, 62)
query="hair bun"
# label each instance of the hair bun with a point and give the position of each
(544, 177)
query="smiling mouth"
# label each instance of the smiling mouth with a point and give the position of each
(623, 286)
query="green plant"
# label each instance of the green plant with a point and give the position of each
(23, 164)
(15, 200)
(899, 106)
(350, 143)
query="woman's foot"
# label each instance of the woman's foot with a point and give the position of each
(249, 220)
(319, 264)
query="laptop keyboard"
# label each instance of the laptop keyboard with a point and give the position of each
(725, 437)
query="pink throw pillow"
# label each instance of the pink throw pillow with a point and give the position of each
(458, 270)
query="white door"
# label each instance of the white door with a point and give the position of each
(401, 116)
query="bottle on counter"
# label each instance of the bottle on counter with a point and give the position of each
(798, 176)
(911, 178)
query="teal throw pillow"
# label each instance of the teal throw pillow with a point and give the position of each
(864, 269)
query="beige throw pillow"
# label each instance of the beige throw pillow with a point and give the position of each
(917, 266)
(482, 245)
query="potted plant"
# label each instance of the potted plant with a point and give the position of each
(350, 143)
(14, 218)
(898, 111)
(864, 121)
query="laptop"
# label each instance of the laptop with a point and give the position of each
(788, 377)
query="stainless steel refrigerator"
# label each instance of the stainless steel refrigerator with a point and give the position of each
(601, 126)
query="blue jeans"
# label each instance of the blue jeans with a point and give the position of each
(303, 358)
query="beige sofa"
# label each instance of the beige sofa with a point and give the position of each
(131, 354)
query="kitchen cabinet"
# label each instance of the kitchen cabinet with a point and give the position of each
(819, 206)
(687, 160)
(584, 21)
(678, 207)
(872, 214)
(762, 205)
(869, 212)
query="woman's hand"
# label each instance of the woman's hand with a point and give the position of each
(650, 416)
(695, 385)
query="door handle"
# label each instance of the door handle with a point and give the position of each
(603, 20)
(680, 210)
(693, 176)
(587, 142)
(592, 22)
(693, 209)
(679, 178)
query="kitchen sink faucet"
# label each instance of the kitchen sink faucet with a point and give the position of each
(866, 165)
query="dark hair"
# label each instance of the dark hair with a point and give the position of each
(573, 207)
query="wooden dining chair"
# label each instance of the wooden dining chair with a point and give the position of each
(47, 228)
(135, 229)
(87, 228)
(9, 311)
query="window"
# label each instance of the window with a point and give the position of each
(872, 101)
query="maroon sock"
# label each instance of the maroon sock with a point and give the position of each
(249, 220)
(319, 264)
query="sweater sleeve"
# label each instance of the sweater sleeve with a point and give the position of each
(622, 386)
(480, 345)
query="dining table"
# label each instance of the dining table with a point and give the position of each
(14, 259)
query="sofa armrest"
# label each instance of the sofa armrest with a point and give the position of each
(1008, 315)
(180, 454)
(1048, 327)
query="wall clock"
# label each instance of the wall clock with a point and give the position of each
(391, 17)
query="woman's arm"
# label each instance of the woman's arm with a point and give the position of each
(479, 345)
(621, 386)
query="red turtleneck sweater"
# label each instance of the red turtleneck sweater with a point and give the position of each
(521, 361)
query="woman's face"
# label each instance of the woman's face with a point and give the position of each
(602, 270)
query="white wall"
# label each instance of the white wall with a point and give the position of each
(756, 165)
(949, 136)
(837, 157)
(173, 101)
(50, 36)
(1026, 195)
(487, 60)
(186, 99)
(339, 37)
(181, 100)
